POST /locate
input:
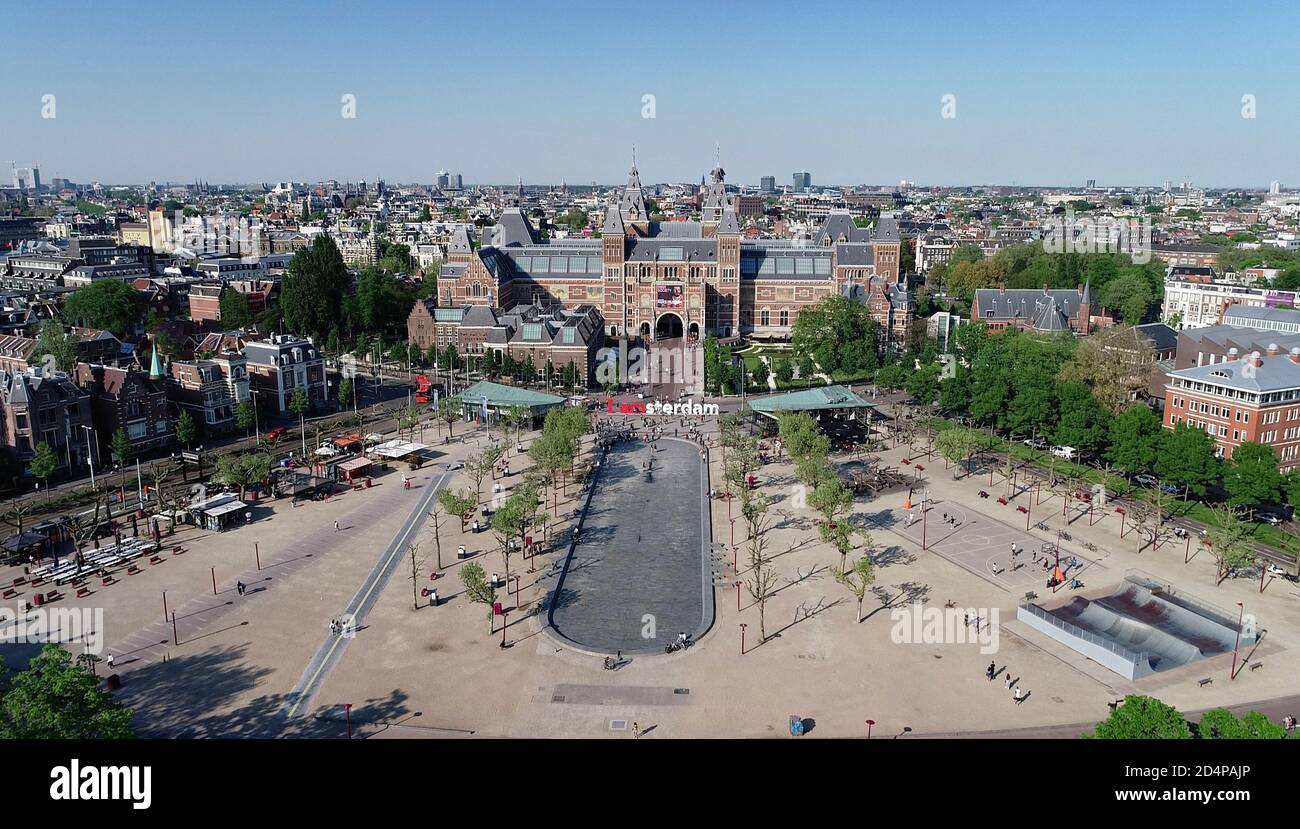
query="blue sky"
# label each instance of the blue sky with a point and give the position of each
(1046, 93)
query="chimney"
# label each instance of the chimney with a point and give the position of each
(1273, 350)
(1231, 355)
(1255, 359)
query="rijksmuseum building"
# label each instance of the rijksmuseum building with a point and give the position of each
(661, 280)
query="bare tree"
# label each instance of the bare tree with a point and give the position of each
(417, 567)
(436, 516)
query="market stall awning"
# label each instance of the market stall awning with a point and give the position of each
(397, 448)
(354, 464)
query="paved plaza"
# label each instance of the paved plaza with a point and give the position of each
(639, 574)
(242, 662)
(983, 545)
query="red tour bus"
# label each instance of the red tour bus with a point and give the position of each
(422, 388)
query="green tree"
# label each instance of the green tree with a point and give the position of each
(44, 463)
(839, 333)
(345, 392)
(923, 385)
(108, 304)
(478, 590)
(121, 445)
(299, 403)
(858, 580)
(892, 376)
(1220, 724)
(245, 417)
(186, 429)
(314, 287)
(1082, 422)
(784, 370)
(1143, 718)
(1251, 476)
(54, 342)
(55, 699)
(1130, 296)
(460, 504)
(234, 309)
(1135, 437)
(1186, 459)
(760, 374)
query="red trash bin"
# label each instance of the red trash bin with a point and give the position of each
(38, 599)
(114, 682)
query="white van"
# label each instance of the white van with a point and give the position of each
(1067, 452)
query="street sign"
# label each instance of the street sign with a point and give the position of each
(190, 457)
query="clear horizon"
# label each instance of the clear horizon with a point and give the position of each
(1042, 97)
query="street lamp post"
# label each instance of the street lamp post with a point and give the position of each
(90, 458)
(742, 638)
(737, 596)
(347, 712)
(869, 724)
(1240, 616)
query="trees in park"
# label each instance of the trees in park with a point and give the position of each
(314, 288)
(858, 580)
(892, 376)
(839, 334)
(1082, 422)
(478, 590)
(244, 470)
(924, 384)
(449, 411)
(1147, 718)
(417, 575)
(460, 504)
(1107, 363)
(760, 582)
(1220, 724)
(1129, 295)
(345, 392)
(1135, 436)
(511, 521)
(56, 699)
(109, 304)
(783, 369)
(1251, 476)
(1186, 459)
(1229, 542)
(1143, 718)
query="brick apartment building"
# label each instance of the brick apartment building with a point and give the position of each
(1255, 398)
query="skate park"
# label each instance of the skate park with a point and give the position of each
(1139, 627)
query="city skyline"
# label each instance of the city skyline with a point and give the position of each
(1128, 97)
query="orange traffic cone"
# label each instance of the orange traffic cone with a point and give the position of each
(908, 503)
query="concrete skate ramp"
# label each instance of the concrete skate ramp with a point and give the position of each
(1138, 629)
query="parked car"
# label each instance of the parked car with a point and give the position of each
(1269, 518)
(1067, 452)
(1035, 443)
(276, 433)
(1146, 480)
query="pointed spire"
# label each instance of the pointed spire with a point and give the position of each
(155, 365)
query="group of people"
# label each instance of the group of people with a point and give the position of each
(1008, 682)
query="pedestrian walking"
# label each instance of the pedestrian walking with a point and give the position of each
(992, 669)
(636, 730)
(336, 526)
(1008, 681)
(239, 587)
(109, 661)
(1019, 697)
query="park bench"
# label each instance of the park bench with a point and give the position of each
(1257, 666)
(1002, 501)
(132, 570)
(10, 593)
(155, 559)
(19, 580)
(177, 550)
(1203, 682)
(1022, 508)
(83, 592)
(53, 595)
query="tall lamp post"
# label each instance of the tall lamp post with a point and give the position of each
(869, 724)
(90, 456)
(1240, 616)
